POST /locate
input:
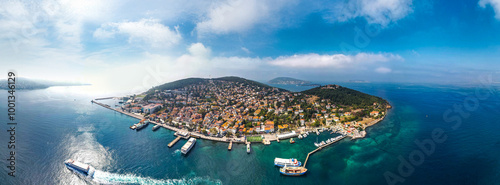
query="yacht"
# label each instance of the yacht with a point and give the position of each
(288, 162)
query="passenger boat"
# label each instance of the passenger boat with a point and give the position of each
(292, 141)
(156, 127)
(141, 125)
(187, 147)
(80, 168)
(287, 162)
(293, 171)
(248, 148)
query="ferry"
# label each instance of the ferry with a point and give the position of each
(141, 125)
(80, 168)
(288, 162)
(187, 147)
(293, 171)
(292, 141)
(248, 148)
(156, 127)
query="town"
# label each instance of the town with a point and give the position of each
(229, 108)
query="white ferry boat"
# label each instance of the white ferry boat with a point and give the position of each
(156, 127)
(248, 148)
(141, 125)
(80, 168)
(288, 162)
(189, 144)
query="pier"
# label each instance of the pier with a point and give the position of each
(175, 141)
(320, 148)
(230, 145)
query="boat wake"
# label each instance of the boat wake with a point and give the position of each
(113, 178)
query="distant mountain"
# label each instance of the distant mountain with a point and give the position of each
(30, 84)
(288, 81)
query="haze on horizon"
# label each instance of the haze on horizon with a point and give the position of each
(127, 44)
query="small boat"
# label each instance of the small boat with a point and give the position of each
(292, 141)
(80, 168)
(305, 135)
(280, 162)
(248, 148)
(293, 171)
(316, 144)
(156, 127)
(300, 136)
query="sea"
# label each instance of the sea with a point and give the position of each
(434, 134)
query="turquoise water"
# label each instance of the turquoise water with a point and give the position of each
(59, 123)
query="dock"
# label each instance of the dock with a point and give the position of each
(318, 149)
(177, 139)
(230, 145)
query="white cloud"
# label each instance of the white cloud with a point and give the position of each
(383, 70)
(380, 12)
(495, 4)
(149, 31)
(238, 15)
(246, 50)
(198, 49)
(314, 60)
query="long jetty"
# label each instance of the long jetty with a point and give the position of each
(320, 148)
(174, 141)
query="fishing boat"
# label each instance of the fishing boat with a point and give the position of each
(292, 141)
(293, 171)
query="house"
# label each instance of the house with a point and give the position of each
(151, 108)
(328, 121)
(374, 113)
(336, 119)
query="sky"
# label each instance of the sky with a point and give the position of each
(139, 44)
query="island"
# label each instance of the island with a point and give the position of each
(236, 109)
(288, 81)
(32, 84)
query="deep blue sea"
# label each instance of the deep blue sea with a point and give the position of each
(458, 124)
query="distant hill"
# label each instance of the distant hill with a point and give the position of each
(344, 96)
(288, 81)
(30, 84)
(191, 81)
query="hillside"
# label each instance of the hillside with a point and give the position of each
(288, 81)
(344, 96)
(205, 81)
(337, 94)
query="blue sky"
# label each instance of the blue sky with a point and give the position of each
(137, 45)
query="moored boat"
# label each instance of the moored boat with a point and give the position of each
(287, 162)
(300, 136)
(80, 168)
(248, 148)
(292, 141)
(187, 147)
(156, 127)
(293, 171)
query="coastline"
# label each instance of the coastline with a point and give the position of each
(267, 137)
